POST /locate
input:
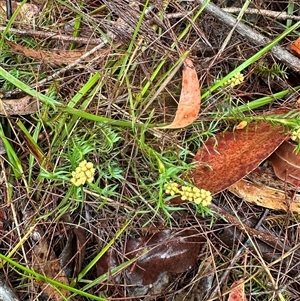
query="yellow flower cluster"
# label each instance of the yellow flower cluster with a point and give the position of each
(192, 194)
(83, 173)
(235, 80)
(296, 134)
(172, 188)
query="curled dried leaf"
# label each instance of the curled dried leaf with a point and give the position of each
(265, 196)
(27, 14)
(21, 106)
(238, 291)
(286, 163)
(189, 102)
(295, 47)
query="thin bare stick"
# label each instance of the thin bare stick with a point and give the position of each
(228, 38)
(252, 35)
(53, 36)
(251, 11)
(162, 87)
(239, 252)
(263, 12)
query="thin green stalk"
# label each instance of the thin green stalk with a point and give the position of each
(251, 60)
(89, 116)
(146, 86)
(45, 279)
(290, 11)
(124, 64)
(25, 88)
(13, 159)
(92, 263)
(10, 22)
(77, 26)
(107, 275)
(261, 101)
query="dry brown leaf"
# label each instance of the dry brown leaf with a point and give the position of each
(266, 196)
(55, 57)
(238, 291)
(190, 98)
(45, 262)
(286, 163)
(3, 217)
(236, 155)
(168, 251)
(295, 47)
(27, 14)
(21, 106)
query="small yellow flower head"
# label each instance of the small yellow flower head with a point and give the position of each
(191, 194)
(235, 80)
(204, 197)
(296, 134)
(171, 188)
(84, 172)
(196, 195)
(187, 193)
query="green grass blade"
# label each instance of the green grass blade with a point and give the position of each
(11, 154)
(25, 88)
(45, 279)
(102, 252)
(251, 60)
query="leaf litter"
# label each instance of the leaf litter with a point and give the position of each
(154, 266)
(160, 257)
(223, 161)
(190, 98)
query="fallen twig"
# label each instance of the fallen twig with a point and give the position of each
(239, 252)
(251, 11)
(252, 35)
(267, 238)
(263, 12)
(52, 36)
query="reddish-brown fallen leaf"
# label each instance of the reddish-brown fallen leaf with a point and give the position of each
(55, 57)
(108, 261)
(238, 291)
(190, 98)
(295, 47)
(159, 256)
(2, 218)
(73, 254)
(265, 196)
(236, 155)
(286, 163)
(168, 251)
